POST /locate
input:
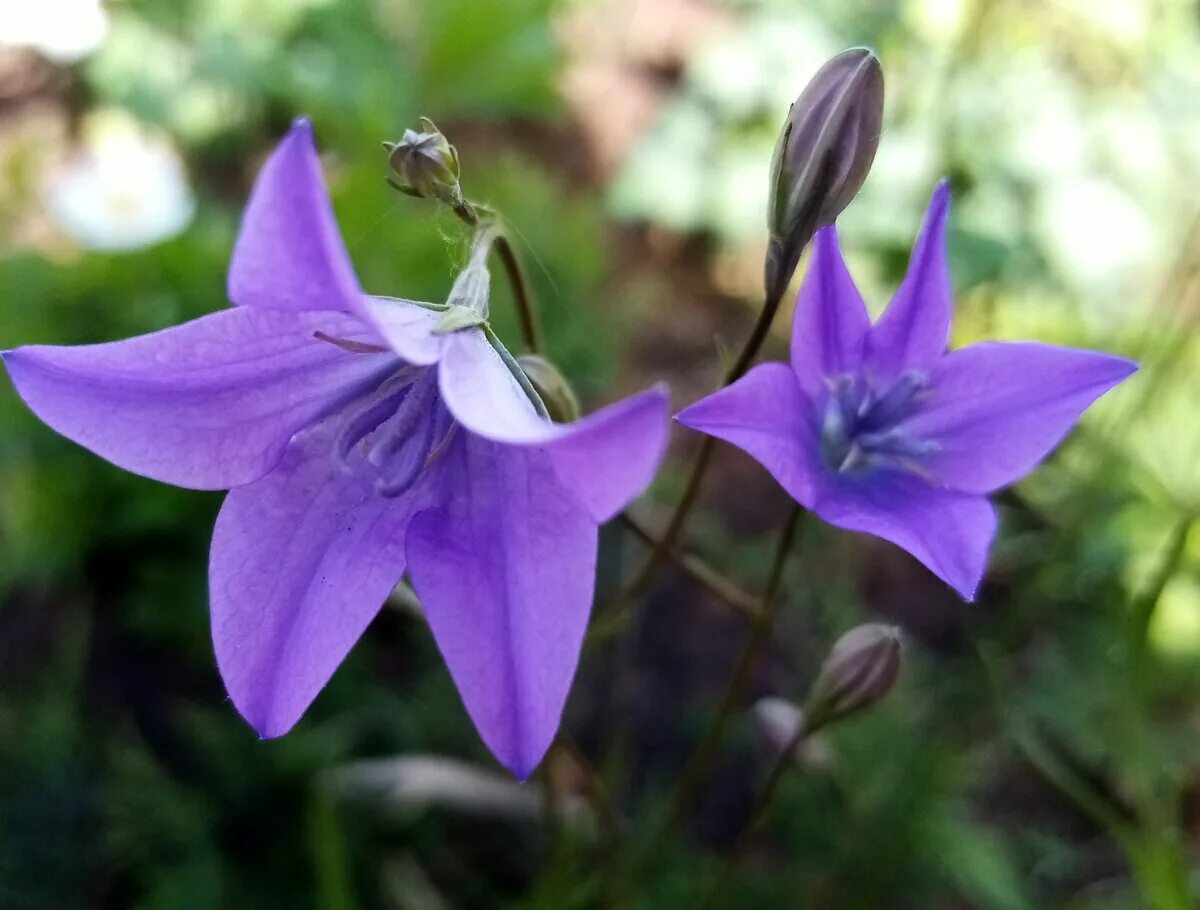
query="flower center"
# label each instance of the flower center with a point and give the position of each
(863, 429)
(397, 431)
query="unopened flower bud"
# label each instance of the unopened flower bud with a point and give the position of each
(822, 157)
(861, 668)
(552, 386)
(425, 164)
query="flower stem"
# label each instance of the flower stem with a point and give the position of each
(762, 326)
(595, 793)
(550, 806)
(631, 590)
(1147, 602)
(760, 631)
(697, 568)
(733, 859)
(523, 299)
(698, 765)
(530, 332)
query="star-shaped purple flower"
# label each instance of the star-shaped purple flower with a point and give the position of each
(876, 428)
(361, 437)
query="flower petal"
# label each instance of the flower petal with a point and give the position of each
(505, 568)
(915, 328)
(831, 322)
(767, 414)
(301, 562)
(209, 404)
(407, 327)
(289, 254)
(948, 531)
(996, 409)
(609, 457)
(484, 396)
(605, 459)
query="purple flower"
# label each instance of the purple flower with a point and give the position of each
(876, 428)
(361, 437)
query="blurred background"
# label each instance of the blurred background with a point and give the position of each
(1041, 750)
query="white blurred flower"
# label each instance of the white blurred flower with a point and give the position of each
(63, 30)
(125, 189)
(416, 783)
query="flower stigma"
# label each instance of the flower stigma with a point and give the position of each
(864, 429)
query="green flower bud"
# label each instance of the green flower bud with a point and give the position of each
(822, 157)
(552, 386)
(425, 164)
(861, 669)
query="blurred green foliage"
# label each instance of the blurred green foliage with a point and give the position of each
(1042, 750)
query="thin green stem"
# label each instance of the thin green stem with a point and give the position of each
(697, 568)
(634, 588)
(530, 331)
(762, 327)
(760, 632)
(522, 298)
(615, 616)
(733, 859)
(596, 795)
(1146, 603)
(698, 765)
(550, 806)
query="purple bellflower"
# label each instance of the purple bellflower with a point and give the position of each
(877, 429)
(362, 437)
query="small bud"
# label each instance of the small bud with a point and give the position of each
(425, 164)
(861, 668)
(552, 386)
(822, 157)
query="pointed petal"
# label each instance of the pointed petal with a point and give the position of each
(289, 254)
(505, 569)
(766, 414)
(605, 459)
(407, 327)
(915, 328)
(831, 322)
(949, 532)
(996, 409)
(609, 457)
(209, 404)
(301, 562)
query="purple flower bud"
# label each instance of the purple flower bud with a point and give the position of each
(552, 386)
(425, 164)
(861, 669)
(822, 157)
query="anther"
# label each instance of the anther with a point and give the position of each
(354, 347)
